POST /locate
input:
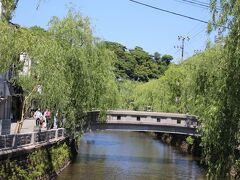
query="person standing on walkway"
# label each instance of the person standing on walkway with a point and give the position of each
(55, 120)
(38, 117)
(47, 115)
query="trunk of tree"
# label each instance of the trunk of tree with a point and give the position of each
(24, 109)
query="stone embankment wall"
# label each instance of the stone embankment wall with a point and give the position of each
(45, 162)
(191, 144)
(187, 144)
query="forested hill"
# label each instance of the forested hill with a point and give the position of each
(137, 64)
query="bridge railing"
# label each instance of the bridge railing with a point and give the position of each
(13, 141)
(148, 118)
(183, 123)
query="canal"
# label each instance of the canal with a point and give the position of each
(129, 155)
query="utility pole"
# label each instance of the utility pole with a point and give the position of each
(219, 35)
(182, 38)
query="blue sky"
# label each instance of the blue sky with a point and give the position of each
(128, 23)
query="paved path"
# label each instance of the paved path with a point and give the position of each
(28, 126)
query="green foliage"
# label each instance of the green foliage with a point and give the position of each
(201, 86)
(39, 163)
(126, 90)
(237, 166)
(7, 48)
(190, 140)
(71, 68)
(89, 67)
(163, 94)
(167, 59)
(136, 64)
(221, 135)
(9, 7)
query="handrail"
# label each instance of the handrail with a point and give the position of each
(13, 141)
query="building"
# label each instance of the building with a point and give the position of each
(5, 103)
(27, 63)
(10, 104)
(1, 9)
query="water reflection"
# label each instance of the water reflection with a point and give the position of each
(129, 155)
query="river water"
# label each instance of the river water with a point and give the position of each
(114, 155)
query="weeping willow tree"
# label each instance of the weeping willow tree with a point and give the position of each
(7, 9)
(198, 86)
(89, 66)
(7, 40)
(71, 70)
(46, 81)
(207, 85)
(164, 94)
(221, 135)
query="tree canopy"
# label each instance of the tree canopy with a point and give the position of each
(137, 64)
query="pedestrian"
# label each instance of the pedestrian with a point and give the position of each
(38, 117)
(47, 115)
(55, 120)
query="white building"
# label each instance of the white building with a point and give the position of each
(24, 58)
(1, 9)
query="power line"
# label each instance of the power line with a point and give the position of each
(177, 51)
(199, 4)
(192, 3)
(167, 11)
(207, 3)
(196, 27)
(195, 35)
(174, 13)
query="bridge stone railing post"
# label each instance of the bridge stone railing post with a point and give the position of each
(62, 132)
(48, 136)
(5, 142)
(56, 134)
(2, 142)
(14, 141)
(33, 138)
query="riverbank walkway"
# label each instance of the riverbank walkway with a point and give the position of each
(28, 126)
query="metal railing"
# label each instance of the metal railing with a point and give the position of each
(13, 141)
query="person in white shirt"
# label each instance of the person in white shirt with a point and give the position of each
(38, 117)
